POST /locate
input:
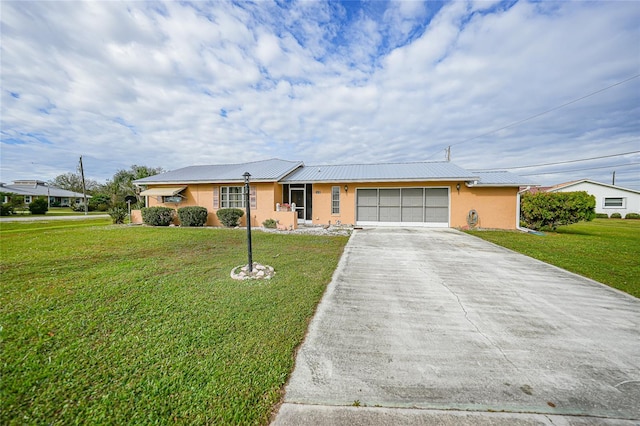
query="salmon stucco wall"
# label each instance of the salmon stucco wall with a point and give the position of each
(496, 206)
(203, 195)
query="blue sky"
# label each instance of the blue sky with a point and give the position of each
(173, 84)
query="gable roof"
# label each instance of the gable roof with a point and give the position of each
(39, 188)
(266, 171)
(276, 170)
(386, 172)
(593, 182)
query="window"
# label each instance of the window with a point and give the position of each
(232, 197)
(27, 199)
(614, 202)
(335, 200)
(171, 199)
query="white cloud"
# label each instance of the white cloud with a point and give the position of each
(172, 84)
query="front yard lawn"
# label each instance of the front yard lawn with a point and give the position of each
(140, 325)
(606, 250)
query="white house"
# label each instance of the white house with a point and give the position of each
(31, 189)
(609, 198)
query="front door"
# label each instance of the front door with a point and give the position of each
(297, 197)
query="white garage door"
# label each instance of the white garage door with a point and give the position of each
(403, 206)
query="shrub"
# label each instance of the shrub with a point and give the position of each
(192, 216)
(553, 209)
(118, 214)
(615, 216)
(602, 216)
(270, 223)
(632, 216)
(99, 202)
(39, 206)
(79, 207)
(157, 216)
(230, 217)
(6, 209)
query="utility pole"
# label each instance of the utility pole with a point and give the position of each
(84, 189)
(448, 150)
(614, 178)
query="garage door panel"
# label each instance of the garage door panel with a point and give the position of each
(390, 197)
(367, 213)
(436, 214)
(436, 197)
(412, 214)
(412, 197)
(389, 214)
(368, 197)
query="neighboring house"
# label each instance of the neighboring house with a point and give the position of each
(609, 198)
(31, 189)
(438, 194)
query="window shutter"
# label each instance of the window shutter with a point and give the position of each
(216, 197)
(253, 197)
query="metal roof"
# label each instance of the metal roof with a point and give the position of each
(593, 182)
(387, 172)
(501, 178)
(266, 170)
(38, 188)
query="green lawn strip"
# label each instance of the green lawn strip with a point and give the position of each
(127, 325)
(39, 225)
(606, 250)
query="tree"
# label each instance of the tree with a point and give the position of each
(73, 182)
(122, 185)
(552, 209)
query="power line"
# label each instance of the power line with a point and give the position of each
(580, 170)
(566, 162)
(544, 112)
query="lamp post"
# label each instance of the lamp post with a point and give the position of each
(247, 203)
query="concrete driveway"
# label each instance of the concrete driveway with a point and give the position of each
(433, 326)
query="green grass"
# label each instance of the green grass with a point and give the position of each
(606, 250)
(140, 325)
(39, 225)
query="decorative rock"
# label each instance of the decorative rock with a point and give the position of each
(259, 272)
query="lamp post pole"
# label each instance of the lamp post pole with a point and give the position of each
(247, 203)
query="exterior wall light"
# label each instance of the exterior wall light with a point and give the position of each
(346, 188)
(458, 187)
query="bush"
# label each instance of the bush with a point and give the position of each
(39, 206)
(99, 202)
(6, 209)
(118, 214)
(548, 210)
(615, 216)
(230, 217)
(632, 216)
(602, 216)
(157, 216)
(270, 223)
(192, 216)
(79, 207)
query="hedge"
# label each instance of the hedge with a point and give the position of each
(157, 216)
(230, 217)
(632, 216)
(548, 210)
(192, 216)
